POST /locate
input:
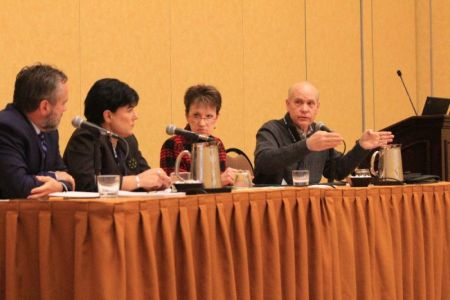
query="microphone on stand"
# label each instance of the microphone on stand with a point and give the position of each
(332, 177)
(399, 73)
(322, 127)
(79, 122)
(191, 136)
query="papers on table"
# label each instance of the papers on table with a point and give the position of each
(73, 194)
(85, 195)
(320, 186)
(132, 194)
(165, 193)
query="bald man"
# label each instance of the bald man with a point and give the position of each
(297, 142)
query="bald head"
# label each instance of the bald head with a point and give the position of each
(303, 87)
(302, 104)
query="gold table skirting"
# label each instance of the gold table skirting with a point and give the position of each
(295, 243)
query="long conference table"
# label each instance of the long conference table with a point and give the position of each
(290, 243)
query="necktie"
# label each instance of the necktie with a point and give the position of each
(43, 144)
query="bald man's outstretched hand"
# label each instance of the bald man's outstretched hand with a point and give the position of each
(374, 139)
(322, 140)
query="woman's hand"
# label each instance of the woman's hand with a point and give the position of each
(228, 176)
(154, 179)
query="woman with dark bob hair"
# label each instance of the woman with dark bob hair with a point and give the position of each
(110, 104)
(202, 105)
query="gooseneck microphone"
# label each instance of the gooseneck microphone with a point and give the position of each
(331, 154)
(322, 127)
(332, 175)
(399, 73)
(79, 122)
(191, 136)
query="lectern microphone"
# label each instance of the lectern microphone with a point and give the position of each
(399, 73)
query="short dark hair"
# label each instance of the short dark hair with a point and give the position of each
(202, 93)
(108, 94)
(34, 84)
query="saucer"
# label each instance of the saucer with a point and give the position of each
(360, 181)
(190, 188)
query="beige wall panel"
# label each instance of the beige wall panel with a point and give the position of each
(207, 48)
(274, 58)
(251, 50)
(441, 47)
(130, 40)
(368, 68)
(334, 63)
(40, 31)
(394, 48)
(423, 54)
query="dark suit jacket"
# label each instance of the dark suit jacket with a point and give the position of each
(21, 156)
(88, 154)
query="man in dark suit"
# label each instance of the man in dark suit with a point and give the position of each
(30, 161)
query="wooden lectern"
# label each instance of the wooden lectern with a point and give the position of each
(425, 144)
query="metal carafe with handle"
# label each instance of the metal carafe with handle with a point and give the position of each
(389, 163)
(205, 166)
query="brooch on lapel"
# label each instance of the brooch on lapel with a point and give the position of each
(132, 163)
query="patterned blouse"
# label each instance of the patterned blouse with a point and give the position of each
(174, 145)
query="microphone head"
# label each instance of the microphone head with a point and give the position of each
(170, 129)
(399, 73)
(77, 121)
(321, 126)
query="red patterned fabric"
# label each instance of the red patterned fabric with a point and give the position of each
(175, 145)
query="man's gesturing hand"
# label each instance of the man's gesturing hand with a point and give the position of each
(322, 140)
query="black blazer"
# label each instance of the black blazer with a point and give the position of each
(21, 156)
(88, 154)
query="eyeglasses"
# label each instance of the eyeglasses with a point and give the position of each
(197, 118)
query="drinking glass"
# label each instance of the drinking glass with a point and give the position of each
(242, 178)
(300, 177)
(108, 185)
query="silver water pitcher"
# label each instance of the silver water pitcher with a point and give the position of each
(389, 163)
(205, 165)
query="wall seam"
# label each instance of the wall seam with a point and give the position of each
(170, 63)
(80, 101)
(416, 48)
(363, 100)
(243, 73)
(431, 48)
(373, 65)
(306, 48)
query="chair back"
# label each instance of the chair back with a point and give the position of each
(237, 159)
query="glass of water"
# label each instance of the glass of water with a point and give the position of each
(300, 177)
(108, 185)
(242, 178)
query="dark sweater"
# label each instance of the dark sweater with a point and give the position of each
(280, 149)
